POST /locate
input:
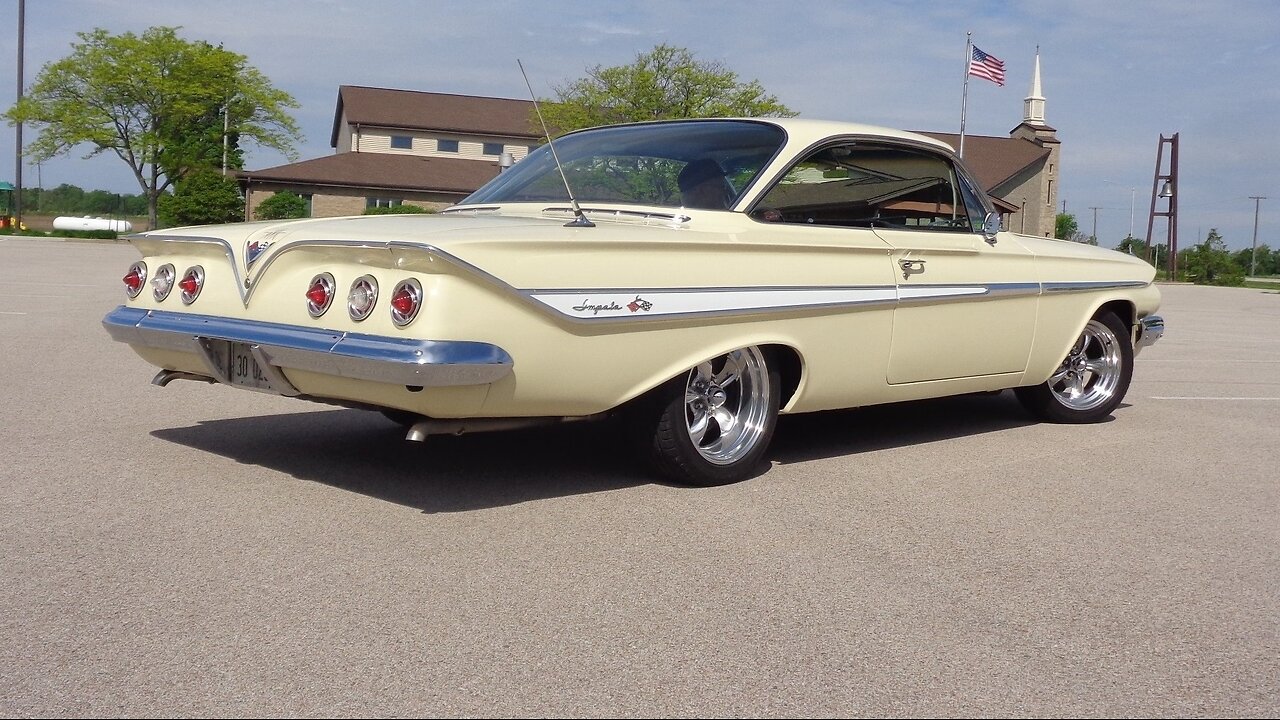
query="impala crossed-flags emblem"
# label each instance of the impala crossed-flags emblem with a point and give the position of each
(253, 250)
(639, 304)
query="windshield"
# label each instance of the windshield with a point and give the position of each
(700, 163)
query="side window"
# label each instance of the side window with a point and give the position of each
(859, 184)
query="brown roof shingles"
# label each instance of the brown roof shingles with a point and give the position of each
(384, 171)
(413, 110)
(994, 160)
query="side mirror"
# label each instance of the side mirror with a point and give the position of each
(991, 226)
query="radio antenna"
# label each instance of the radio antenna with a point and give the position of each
(579, 219)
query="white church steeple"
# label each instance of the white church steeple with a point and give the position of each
(1033, 104)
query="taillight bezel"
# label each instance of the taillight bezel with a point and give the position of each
(162, 284)
(414, 287)
(330, 287)
(370, 283)
(195, 272)
(140, 268)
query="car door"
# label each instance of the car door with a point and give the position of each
(967, 301)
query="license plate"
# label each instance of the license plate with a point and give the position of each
(243, 369)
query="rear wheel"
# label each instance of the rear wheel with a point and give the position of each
(715, 423)
(1092, 379)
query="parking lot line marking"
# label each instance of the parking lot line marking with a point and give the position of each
(10, 312)
(1177, 397)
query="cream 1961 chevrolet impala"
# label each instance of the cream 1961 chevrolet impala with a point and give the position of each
(692, 278)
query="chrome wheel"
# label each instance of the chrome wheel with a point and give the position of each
(1091, 381)
(727, 405)
(1090, 375)
(711, 425)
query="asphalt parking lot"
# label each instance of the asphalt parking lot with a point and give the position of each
(194, 550)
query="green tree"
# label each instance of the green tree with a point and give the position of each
(1065, 227)
(664, 83)
(1263, 262)
(1133, 246)
(1209, 263)
(202, 198)
(282, 206)
(157, 102)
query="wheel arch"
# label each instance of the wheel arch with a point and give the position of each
(1123, 309)
(784, 356)
(790, 369)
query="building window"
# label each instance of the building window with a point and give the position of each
(449, 146)
(401, 142)
(1048, 200)
(493, 149)
(375, 202)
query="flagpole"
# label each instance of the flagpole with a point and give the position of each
(964, 100)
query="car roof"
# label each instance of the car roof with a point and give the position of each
(807, 131)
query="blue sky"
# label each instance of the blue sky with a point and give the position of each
(1116, 75)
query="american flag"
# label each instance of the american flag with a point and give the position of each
(986, 66)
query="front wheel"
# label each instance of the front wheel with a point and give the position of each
(1092, 379)
(716, 422)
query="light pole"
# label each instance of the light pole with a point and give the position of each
(17, 150)
(1253, 262)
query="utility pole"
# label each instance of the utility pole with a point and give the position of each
(17, 150)
(1095, 223)
(1253, 263)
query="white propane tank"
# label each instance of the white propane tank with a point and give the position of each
(91, 223)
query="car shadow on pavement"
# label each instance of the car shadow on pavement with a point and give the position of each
(363, 452)
(833, 433)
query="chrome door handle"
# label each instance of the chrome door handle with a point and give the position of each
(911, 267)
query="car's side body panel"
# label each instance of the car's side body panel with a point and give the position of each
(521, 316)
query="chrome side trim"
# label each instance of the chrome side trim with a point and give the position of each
(1149, 330)
(961, 293)
(635, 305)
(1060, 287)
(673, 303)
(397, 361)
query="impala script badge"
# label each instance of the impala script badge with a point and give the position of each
(595, 308)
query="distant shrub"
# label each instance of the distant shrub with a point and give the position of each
(397, 210)
(282, 206)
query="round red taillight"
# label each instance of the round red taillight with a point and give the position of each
(362, 297)
(320, 294)
(135, 279)
(191, 283)
(405, 302)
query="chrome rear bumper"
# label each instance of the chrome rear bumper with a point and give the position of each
(1149, 330)
(398, 361)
